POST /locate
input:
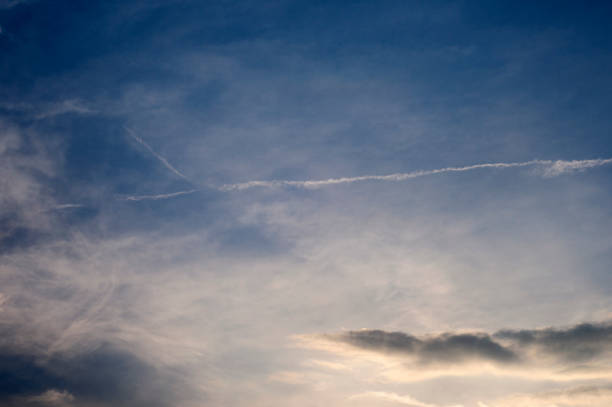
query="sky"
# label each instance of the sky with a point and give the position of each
(305, 203)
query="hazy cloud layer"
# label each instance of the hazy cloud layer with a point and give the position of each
(27, 164)
(394, 399)
(584, 396)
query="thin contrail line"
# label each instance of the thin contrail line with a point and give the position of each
(67, 206)
(155, 154)
(158, 197)
(552, 169)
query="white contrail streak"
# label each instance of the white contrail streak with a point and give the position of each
(155, 154)
(158, 197)
(552, 168)
(559, 167)
(67, 206)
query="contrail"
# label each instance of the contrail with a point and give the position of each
(155, 154)
(552, 168)
(560, 166)
(158, 197)
(67, 206)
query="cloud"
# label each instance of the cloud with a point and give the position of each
(103, 376)
(51, 397)
(551, 168)
(561, 167)
(577, 344)
(445, 348)
(583, 396)
(64, 107)
(47, 110)
(582, 351)
(27, 166)
(394, 398)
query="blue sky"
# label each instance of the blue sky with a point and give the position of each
(273, 203)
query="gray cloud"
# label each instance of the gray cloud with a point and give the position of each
(580, 343)
(444, 348)
(104, 376)
(572, 349)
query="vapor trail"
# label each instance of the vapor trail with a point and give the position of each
(158, 197)
(67, 206)
(155, 154)
(551, 168)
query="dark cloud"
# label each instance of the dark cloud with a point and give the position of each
(581, 343)
(444, 348)
(459, 347)
(105, 376)
(576, 344)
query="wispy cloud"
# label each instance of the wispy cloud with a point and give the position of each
(561, 167)
(552, 168)
(394, 398)
(47, 110)
(583, 396)
(155, 154)
(66, 106)
(52, 397)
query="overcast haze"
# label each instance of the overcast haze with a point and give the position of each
(305, 203)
